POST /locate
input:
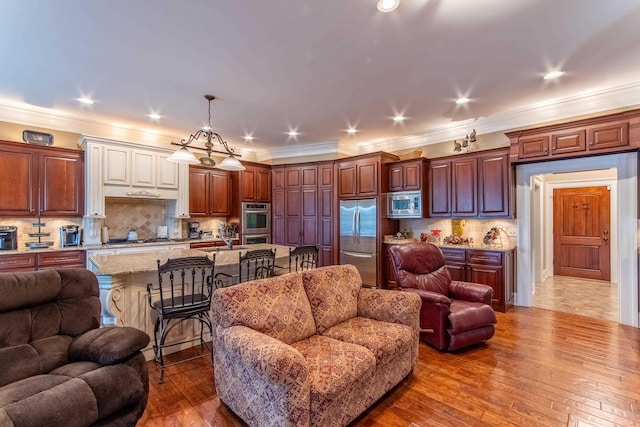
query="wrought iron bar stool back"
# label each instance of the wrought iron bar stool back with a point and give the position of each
(303, 258)
(183, 293)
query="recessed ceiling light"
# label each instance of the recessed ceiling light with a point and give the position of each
(553, 75)
(87, 101)
(351, 131)
(293, 133)
(399, 118)
(461, 101)
(388, 5)
(154, 116)
(248, 137)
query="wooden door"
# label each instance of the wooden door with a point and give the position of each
(19, 196)
(62, 184)
(198, 192)
(581, 232)
(493, 185)
(396, 179)
(219, 193)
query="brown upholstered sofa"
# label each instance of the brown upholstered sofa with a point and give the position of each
(57, 367)
(311, 348)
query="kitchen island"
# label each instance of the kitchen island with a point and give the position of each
(123, 282)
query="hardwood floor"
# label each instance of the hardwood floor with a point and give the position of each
(592, 298)
(542, 368)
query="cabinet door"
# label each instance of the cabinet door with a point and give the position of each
(18, 262)
(116, 166)
(278, 234)
(396, 178)
(456, 263)
(18, 175)
(440, 182)
(61, 259)
(347, 180)
(219, 194)
(494, 182)
(248, 192)
(457, 271)
(611, 135)
(61, 184)
(94, 201)
(367, 178)
(143, 170)
(263, 185)
(168, 176)
(572, 141)
(412, 176)
(534, 146)
(198, 192)
(309, 215)
(293, 216)
(491, 275)
(328, 219)
(463, 187)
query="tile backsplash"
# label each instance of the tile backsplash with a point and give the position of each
(143, 216)
(474, 228)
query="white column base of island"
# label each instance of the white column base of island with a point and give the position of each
(123, 279)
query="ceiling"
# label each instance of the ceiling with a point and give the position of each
(315, 66)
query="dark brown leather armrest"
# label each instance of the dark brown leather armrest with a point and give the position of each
(469, 291)
(429, 297)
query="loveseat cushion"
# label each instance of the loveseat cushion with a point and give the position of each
(333, 294)
(277, 307)
(385, 340)
(334, 366)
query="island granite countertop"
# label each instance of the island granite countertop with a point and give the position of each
(147, 261)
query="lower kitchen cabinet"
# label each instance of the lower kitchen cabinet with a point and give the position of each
(495, 268)
(42, 261)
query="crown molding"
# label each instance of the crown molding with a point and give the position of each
(304, 150)
(582, 104)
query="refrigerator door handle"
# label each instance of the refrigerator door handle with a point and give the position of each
(358, 228)
(353, 226)
(358, 254)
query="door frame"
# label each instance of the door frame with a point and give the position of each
(613, 224)
(626, 265)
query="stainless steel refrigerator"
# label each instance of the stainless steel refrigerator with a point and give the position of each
(358, 236)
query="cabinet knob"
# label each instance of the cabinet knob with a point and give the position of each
(591, 143)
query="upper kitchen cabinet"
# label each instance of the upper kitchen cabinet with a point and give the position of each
(209, 192)
(408, 175)
(598, 135)
(360, 177)
(471, 185)
(121, 169)
(45, 181)
(255, 183)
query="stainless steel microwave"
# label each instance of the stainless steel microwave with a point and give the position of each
(404, 204)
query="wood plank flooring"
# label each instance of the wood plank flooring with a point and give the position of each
(592, 298)
(543, 368)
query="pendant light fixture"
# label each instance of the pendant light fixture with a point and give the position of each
(183, 155)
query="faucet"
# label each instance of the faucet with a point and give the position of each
(227, 241)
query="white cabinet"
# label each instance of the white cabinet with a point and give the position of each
(121, 169)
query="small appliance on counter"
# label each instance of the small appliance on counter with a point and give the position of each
(8, 237)
(39, 234)
(193, 230)
(69, 235)
(162, 232)
(132, 235)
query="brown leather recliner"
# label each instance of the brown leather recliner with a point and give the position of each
(459, 313)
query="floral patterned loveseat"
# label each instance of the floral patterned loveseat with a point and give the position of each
(311, 348)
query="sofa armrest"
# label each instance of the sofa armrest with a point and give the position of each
(108, 345)
(273, 360)
(390, 306)
(469, 291)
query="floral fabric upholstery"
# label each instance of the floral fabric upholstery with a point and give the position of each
(385, 340)
(333, 294)
(277, 307)
(272, 368)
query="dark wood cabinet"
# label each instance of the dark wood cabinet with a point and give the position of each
(43, 181)
(390, 274)
(210, 244)
(598, 135)
(42, 261)
(358, 178)
(61, 259)
(209, 192)
(327, 214)
(407, 175)
(255, 183)
(488, 267)
(471, 185)
(301, 204)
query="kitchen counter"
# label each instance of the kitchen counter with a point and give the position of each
(147, 261)
(476, 246)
